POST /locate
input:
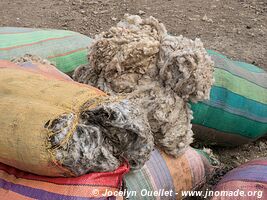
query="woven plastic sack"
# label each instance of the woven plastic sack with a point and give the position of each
(16, 184)
(23, 134)
(167, 176)
(66, 49)
(247, 182)
(237, 110)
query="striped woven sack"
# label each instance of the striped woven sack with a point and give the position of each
(164, 177)
(66, 49)
(19, 185)
(237, 110)
(247, 182)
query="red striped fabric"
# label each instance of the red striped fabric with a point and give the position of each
(14, 183)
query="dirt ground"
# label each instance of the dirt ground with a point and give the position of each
(236, 28)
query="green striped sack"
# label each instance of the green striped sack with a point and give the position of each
(66, 49)
(237, 110)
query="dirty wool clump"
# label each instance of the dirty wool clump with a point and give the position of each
(31, 58)
(121, 57)
(139, 49)
(168, 115)
(103, 138)
(185, 68)
(163, 72)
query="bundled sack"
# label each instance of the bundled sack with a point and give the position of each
(16, 184)
(234, 115)
(246, 182)
(53, 126)
(236, 112)
(241, 109)
(66, 49)
(164, 176)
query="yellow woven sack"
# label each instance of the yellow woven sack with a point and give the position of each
(23, 142)
(53, 126)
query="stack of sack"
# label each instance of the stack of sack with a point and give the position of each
(42, 108)
(30, 84)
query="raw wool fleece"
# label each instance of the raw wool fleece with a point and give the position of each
(172, 134)
(121, 58)
(164, 72)
(104, 137)
(185, 68)
(31, 58)
(106, 132)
